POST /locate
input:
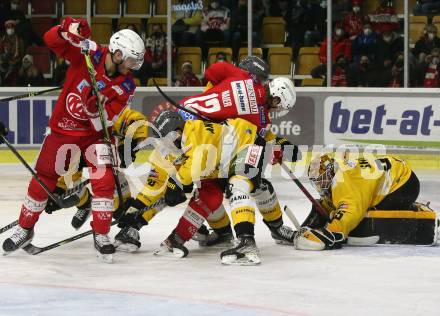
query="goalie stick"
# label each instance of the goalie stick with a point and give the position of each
(69, 197)
(29, 94)
(60, 202)
(102, 118)
(351, 241)
(34, 250)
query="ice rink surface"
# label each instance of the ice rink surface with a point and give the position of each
(378, 280)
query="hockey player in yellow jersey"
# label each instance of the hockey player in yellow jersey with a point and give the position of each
(349, 188)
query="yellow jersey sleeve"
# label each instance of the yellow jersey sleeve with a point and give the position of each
(127, 117)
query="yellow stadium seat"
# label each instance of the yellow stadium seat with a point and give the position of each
(161, 81)
(156, 20)
(161, 7)
(416, 26)
(274, 29)
(308, 58)
(256, 51)
(213, 51)
(312, 82)
(101, 30)
(280, 60)
(75, 7)
(192, 54)
(140, 8)
(400, 7)
(107, 7)
(371, 5)
(124, 22)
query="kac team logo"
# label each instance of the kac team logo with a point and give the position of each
(75, 107)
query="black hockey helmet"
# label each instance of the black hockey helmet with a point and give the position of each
(166, 122)
(256, 66)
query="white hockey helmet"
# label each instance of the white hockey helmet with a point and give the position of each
(284, 89)
(131, 45)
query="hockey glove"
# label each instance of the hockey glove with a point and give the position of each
(174, 194)
(284, 149)
(74, 30)
(3, 131)
(133, 215)
(318, 239)
(89, 102)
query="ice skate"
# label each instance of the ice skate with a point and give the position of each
(283, 235)
(104, 248)
(245, 253)
(172, 247)
(220, 238)
(19, 239)
(127, 240)
(81, 215)
(201, 235)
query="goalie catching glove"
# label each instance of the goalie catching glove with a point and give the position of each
(284, 149)
(318, 239)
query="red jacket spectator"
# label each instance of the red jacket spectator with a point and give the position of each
(431, 77)
(341, 46)
(354, 21)
(384, 18)
(339, 78)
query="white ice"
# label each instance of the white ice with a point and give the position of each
(378, 280)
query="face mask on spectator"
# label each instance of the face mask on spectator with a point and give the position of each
(10, 31)
(323, 4)
(367, 31)
(387, 38)
(339, 32)
(14, 6)
(431, 36)
(215, 5)
(356, 9)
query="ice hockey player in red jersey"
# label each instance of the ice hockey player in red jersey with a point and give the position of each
(75, 127)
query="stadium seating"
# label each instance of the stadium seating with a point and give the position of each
(436, 22)
(416, 25)
(312, 82)
(399, 6)
(102, 30)
(156, 20)
(124, 22)
(308, 58)
(109, 8)
(42, 24)
(161, 81)
(160, 7)
(42, 61)
(213, 51)
(280, 60)
(44, 7)
(75, 7)
(137, 8)
(193, 54)
(274, 29)
(242, 53)
(371, 5)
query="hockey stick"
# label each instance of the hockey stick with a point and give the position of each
(29, 94)
(34, 250)
(57, 200)
(107, 138)
(67, 197)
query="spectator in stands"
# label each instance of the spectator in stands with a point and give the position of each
(339, 9)
(362, 74)
(317, 29)
(427, 42)
(29, 75)
(11, 53)
(221, 56)
(365, 43)
(186, 22)
(390, 45)
(215, 26)
(133, 27)
(424, 7)
(384, 17)
(395, 76)
(431, 77)
(339, 72)
(187, 78)
(239, 24)
(341, 47)
(353, 22)
(155, 64)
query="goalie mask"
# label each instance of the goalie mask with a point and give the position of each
(321, 172)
